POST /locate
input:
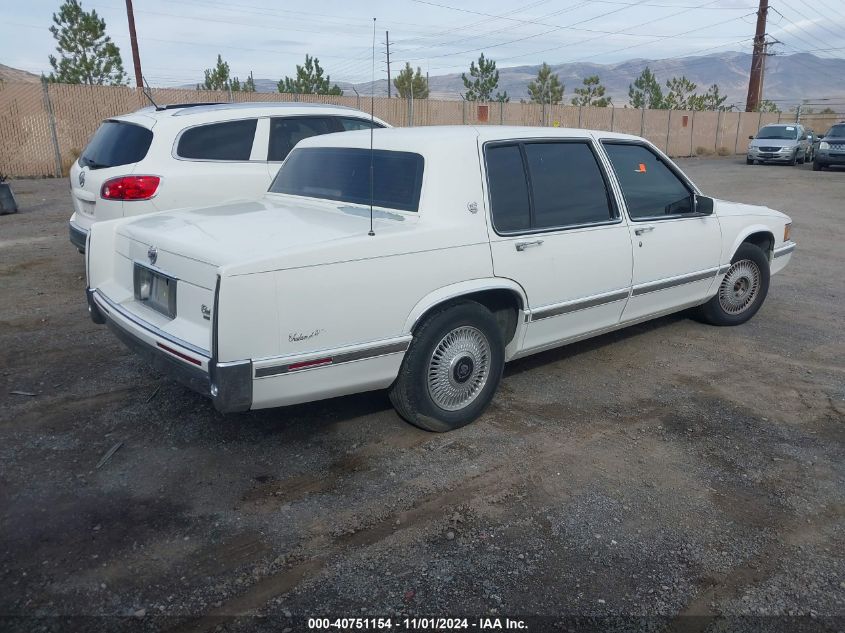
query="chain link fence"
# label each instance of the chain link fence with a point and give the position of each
(44, 127)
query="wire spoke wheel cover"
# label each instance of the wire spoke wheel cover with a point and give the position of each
(459, 368)
(740, 287)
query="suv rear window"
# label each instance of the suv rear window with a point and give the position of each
(231, 140)
(343, 174)
(116, 143)
(285, 132)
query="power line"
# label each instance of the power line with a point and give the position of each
(521, 39)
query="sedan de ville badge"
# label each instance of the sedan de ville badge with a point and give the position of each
(152, 254)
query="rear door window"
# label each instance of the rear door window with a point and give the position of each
(229, 141)
(116, 143)
(536, 186)
(343, 174)
(567, 186)
(650, 187)
(286, 132)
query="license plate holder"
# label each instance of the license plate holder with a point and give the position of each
(155, 289)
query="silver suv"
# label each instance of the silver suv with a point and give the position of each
(780, 143)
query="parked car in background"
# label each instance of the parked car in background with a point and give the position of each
(192, 154)
(831, 149)
(779, 143)
(487, 244)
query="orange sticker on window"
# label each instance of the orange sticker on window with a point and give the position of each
(641, 169)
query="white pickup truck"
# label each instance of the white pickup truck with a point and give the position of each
(487, 244)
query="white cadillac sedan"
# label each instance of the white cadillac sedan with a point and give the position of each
(487, 244)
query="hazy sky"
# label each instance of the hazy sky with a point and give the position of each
(178, 39)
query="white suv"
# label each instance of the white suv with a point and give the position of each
(191, 155)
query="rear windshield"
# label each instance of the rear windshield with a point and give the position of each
(343, 173)
(782, 132)
(837, 131)
(116, 143)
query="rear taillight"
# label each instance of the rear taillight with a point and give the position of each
(130, 188)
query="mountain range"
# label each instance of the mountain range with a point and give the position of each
(788, 78)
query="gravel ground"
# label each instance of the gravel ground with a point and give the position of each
(672, 476)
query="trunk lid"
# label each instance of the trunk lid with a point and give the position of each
(264, 228)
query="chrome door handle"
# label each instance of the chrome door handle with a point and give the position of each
(521, 246)
(643, 229)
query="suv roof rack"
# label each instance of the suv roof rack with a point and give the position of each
(175, 106)
(259, 104)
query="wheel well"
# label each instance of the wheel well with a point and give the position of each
(504, 304)
(763, 240)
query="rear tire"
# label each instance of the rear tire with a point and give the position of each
(452, 369)
(741, 291)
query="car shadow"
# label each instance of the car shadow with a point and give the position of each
(537, 361)
(373, 408)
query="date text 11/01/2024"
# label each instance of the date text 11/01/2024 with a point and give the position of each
(416, 624)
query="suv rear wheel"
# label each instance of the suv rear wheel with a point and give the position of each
(452, 369)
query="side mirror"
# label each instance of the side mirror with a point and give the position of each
(751, 138)
(704, 205)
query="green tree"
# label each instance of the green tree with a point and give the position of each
(546, 88)
(216, 78)
(713, 99)
(591, 94)
(645, 92)
(247, 86)
(86, 54)
(309, 80)
(407, 82)
(767, 106)
(681, 95)
(483, 80)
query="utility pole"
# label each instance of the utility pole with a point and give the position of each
(133, 39)
(387, 44)
(756, 79)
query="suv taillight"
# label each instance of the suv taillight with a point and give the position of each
(130, 188)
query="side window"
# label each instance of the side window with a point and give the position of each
(285, 132)
(218, 141)
(567, 186)
(650, 188)
(509, 203)
(350, 125)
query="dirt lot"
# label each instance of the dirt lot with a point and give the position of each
(672, 476)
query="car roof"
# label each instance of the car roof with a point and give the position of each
(192, 114)
(426, 137)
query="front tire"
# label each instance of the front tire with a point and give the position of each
(741, 291)
(452, 369)
(749, 161)
(794, 159)
(817, 166)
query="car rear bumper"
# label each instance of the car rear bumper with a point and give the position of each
(228, 384)
(78, 235)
